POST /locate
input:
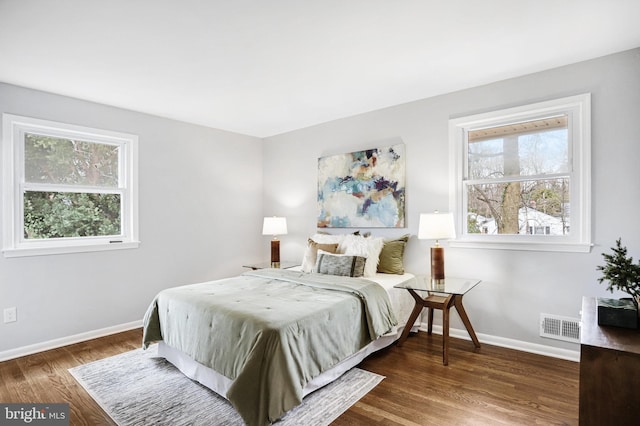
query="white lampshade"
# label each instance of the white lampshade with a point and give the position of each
(274, 226)
(436, 226)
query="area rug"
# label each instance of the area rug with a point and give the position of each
(140, 388)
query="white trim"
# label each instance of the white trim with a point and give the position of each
(453, 332)
(75, 248)
(519, 245)
(579, 240)
(14, 244)
(504, 342)
(69, 340)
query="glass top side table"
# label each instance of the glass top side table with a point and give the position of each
(266, 265)
(449, 285)
(442, 295)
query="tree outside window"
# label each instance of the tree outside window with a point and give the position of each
(518, 177)
(81, 171)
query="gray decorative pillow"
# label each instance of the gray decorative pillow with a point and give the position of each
(342, 265)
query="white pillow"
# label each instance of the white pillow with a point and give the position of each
(328, 238)
(369, 247)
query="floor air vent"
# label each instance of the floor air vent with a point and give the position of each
(561, 328)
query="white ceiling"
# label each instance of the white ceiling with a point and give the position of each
(264, 67)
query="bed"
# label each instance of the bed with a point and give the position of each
(267, 338)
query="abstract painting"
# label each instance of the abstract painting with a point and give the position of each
(362, 189)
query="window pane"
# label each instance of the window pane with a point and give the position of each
(522, 149)
(67, 161)
(64, 214)
(528, 207)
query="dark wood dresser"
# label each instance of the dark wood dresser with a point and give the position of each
(609, 371)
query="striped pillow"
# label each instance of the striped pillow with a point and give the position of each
(342, 265)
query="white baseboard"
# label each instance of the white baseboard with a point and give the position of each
(510, 343)
(453, 332)
(69, 340)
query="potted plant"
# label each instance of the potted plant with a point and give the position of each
(623, 275)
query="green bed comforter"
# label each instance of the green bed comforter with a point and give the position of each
(271, 331)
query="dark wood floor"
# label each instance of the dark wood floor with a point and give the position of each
(489, 386)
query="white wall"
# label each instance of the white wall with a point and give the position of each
(203, 193)
(200, 219)
(517, 285)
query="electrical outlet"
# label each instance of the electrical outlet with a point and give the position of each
(10, 315)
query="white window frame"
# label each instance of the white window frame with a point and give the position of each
(14, 244)
(579, 239)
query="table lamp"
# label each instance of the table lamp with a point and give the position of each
(274, 226)
(436, 226)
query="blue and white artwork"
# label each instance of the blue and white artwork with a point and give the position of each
(362, 189)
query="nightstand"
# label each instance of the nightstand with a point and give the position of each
(442, 295)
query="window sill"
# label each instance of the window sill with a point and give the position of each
(526, 246)
(77, 248)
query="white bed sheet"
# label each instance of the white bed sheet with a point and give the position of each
(401, 302)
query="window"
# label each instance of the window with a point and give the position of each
(67, 188)
(521, 177)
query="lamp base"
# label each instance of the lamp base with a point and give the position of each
(275, 253)
(437, 264)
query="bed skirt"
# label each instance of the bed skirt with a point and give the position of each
(221, 384)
